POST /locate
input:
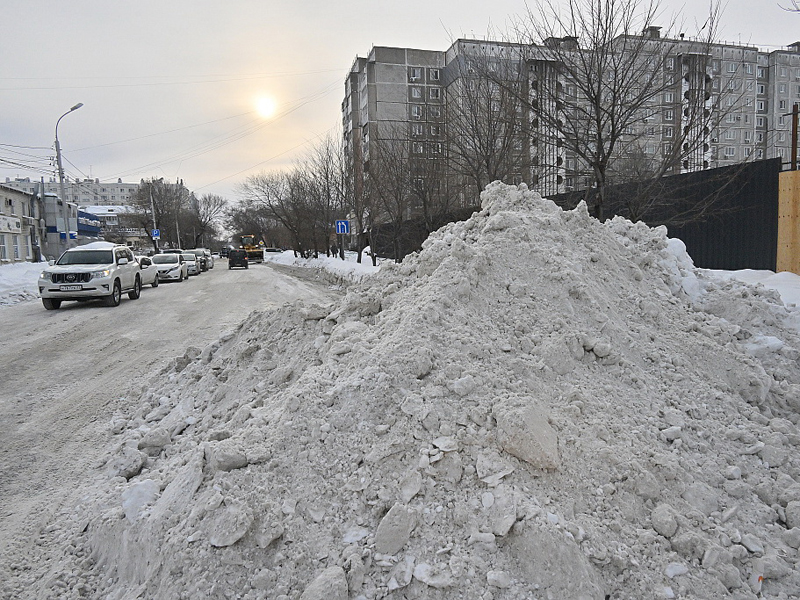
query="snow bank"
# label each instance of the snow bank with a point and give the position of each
(348, 269)
(19, 282)
(536, 405)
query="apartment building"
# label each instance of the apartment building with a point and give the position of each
(735, 101)
(83, 192)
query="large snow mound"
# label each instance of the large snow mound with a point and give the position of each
(537, 405)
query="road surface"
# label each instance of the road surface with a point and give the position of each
(66, 372)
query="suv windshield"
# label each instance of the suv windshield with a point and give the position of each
(86, 257)
(165, 259)
(190, 257)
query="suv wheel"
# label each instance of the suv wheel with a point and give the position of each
(51, 303)
(137, 289)
(116, 295)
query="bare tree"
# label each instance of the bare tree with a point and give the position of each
(161, 205)
(795, 7)
(390, 182)
(599, 72)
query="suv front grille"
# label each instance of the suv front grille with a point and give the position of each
(71, 277)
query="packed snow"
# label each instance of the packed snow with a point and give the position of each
(536, 405)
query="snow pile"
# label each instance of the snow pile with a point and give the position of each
(19, 282)
(535, 406)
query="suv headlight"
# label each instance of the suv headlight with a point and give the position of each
(44, 275)
(103, 273)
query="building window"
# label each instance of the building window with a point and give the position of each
(750, 85)
(762, 72)
(782, 104)
(417, 148)
(781, 88)
(416, 92)
(759, 137)
(781, 136)
(435, 93)
(730, 134)
(670, 64)
(762, 89)
(435, 129)
(760, 121)
(3, 255)
(748, 68)
(15, 242)
(748, 136)
(669, 132)
(748, 102)
(748, 151)
(715, 66)
(416, 112)
(760, 154)
(416, 129)
(669, 115)
(416, 74)
(669, 97)
(781, 120)
(730, 151)
(731, 67)
(434, 74)
(784, 72)
(760, 105)
(435, 112)
(436, 148)
(730, 118)
(666, 149)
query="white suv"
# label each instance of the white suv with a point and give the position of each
(97, 270)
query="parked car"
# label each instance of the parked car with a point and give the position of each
(172, 251)
(237, 258)
(192, 263)
(148, 271)
(204, 258)
(100, 270)
(171, 267)
(223, 252)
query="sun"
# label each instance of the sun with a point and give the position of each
(266, 106)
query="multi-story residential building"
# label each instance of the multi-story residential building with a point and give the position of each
(21, 226)
(83, 192)
(734, 100)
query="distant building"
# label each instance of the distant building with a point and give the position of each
(81, 191)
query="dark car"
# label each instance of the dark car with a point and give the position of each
(237, 258)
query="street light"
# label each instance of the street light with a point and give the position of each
(61, 174)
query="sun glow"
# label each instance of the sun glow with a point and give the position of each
(266, 106)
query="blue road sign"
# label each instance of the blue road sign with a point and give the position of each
(156, 234)
(342, 227)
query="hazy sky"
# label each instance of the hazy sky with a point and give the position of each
(171, 87)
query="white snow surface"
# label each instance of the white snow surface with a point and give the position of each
(536, 405)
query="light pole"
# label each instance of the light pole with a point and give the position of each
(61, 175)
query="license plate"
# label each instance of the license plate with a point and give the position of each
(71, 288)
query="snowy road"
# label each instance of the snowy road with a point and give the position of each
(66, 372)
